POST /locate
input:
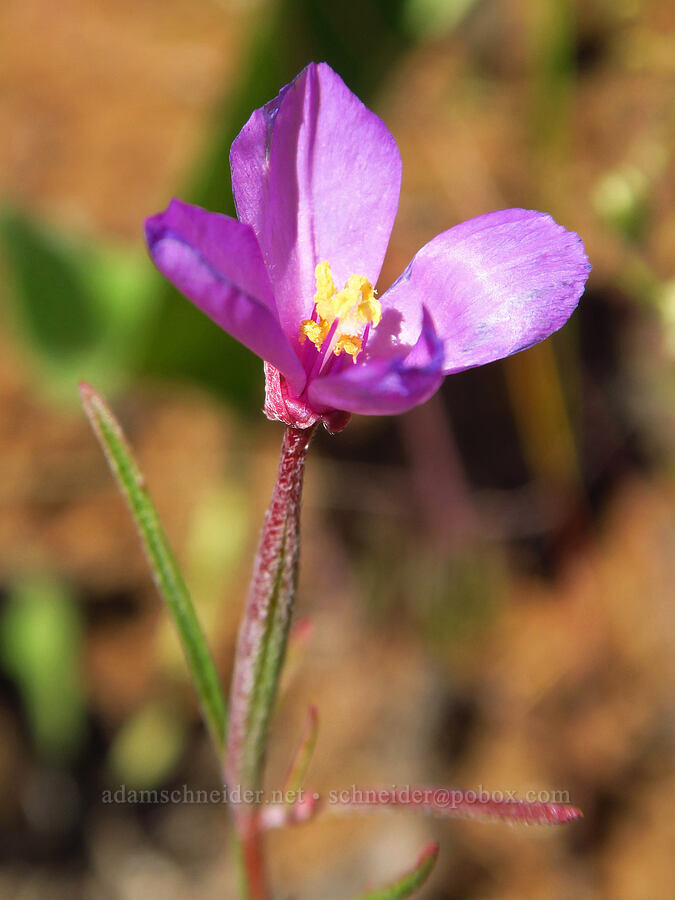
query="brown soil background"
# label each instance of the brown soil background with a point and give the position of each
(469, 628)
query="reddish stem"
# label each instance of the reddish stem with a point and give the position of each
(260, 652)
(251, 850)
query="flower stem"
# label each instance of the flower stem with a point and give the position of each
(260, 653)
(250, 857)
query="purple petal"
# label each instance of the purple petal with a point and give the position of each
(216, 262)
(382, 385)
(317, 175)
(495, 285)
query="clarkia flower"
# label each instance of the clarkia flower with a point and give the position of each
(316, 179)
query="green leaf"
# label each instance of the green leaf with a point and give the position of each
(407, 884)
(81, 307)
(552, 38)
(147, 748)
(436, 18)
(57, 310)
(40, 646)
(302, 757)
(167, 576)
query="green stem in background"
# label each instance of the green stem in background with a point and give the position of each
(166, 574)
(407, 884)
(302, 758)
(261, 647)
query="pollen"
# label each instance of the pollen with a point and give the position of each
(315, 331)
(347, 343)
(354, 307)
(325, 286)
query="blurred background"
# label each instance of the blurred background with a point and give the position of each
(489, 578)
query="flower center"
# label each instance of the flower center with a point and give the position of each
(344, 315)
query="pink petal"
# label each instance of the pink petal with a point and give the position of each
(384, 384)
(317, 175)
(216, 262)
(494, 285)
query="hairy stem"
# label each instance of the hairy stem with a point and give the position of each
(260, 653)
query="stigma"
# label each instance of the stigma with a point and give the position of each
(344, 315)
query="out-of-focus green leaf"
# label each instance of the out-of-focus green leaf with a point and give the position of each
(553, 37)
(621, 199)
(411, 882)
(166, 573)
(431, 18)
(57, 308)
(302, 757)
(40, 645)
(146, 750)
(83, 309)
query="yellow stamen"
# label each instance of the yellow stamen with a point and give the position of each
(347, 343)
(315, 331)
(325, 286)
(354, 307)
(368, 309)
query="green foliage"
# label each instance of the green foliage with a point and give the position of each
(80, 307)
(303, 756)
(40, 644)
(411, 882)
(621, 199)
(166, 573)
(552, 38)
(427, 19)
(58, 309)
(146, 750)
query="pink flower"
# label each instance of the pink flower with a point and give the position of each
(316, 179)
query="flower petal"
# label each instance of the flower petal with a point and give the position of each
(495, 285)
(216, 262)
(318, 176)
(382, 385)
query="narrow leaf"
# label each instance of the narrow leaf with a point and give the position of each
(166, 574)
(456, 804)
(302, 758)
(412, 881)
(298, 642)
